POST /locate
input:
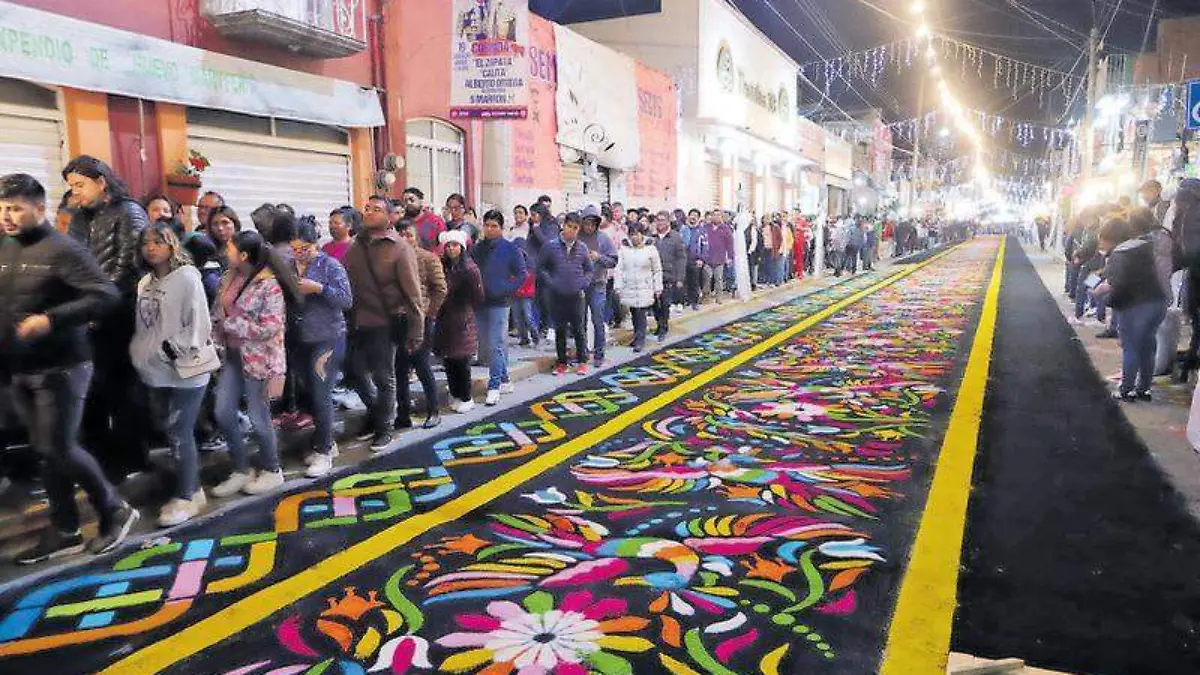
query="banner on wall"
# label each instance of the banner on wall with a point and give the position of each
(535, 162)
(596, 101)
(55, 49)
(489, 71)
(658, 113)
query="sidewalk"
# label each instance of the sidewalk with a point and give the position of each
(1162, 424)
(22, 516)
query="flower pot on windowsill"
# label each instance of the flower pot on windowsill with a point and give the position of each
(183, 189)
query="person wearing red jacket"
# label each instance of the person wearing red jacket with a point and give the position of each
(800, 244)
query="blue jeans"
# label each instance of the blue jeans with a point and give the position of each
(494, 326)
(232, 387)
(1139, 328)
(522, 313)
(183, 408)
(1072, 280)
(596, 297)
(50, 402)
(322, 364)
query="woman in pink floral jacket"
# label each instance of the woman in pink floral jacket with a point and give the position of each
(249, 317)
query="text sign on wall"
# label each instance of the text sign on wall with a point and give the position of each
(59, 50)
(658, 113)
(535, 163)
(489, 73)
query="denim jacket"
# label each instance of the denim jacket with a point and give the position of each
(322, 316)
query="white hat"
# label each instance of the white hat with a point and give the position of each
(457, 236)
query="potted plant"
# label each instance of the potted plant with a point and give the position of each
(183, 184)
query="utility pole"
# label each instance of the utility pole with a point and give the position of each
(1089, 116)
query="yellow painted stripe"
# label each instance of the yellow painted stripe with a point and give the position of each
(919, 636)
(252, 609)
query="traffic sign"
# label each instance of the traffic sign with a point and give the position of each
(1193, 106)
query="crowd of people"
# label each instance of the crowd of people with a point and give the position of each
(1134, 272)
(123, 329)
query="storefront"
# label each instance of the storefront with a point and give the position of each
(271, 134)
(737, 136)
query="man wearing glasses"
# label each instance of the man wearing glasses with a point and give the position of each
(427, 223)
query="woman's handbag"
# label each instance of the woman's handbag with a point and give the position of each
(194, 362)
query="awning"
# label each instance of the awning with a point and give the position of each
(54, 49)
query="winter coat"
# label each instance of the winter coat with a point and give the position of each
(456, 335)
(563, 272)
(1131, 274)
(1164, 257)
(43, 271)
(754, 243)
(673, 254)
(253, 322)
(503, 270)
(433, 281)
(322, 317)
(398, 292)
(601, 243)
(111, 233)
(171, 310)
(639, 275)
(542, 235)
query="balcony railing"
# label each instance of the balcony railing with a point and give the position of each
(326, 29)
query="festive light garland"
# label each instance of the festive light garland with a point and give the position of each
(1020, 132)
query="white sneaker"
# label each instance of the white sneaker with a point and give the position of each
(507, 388)
(233, 484)
(463, 407)
(265, 481)
(493, 397)
(321, 465)
(312, 456)
(178, 511)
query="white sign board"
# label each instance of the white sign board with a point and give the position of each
(597, 101)
(489, 71)
(54, 49)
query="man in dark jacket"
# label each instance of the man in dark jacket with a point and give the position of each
(674, 256)
(565, 267)
(503, 270)
(109, 223)
(603, 252)
(388, 314)
(433, 288)
(52, 289)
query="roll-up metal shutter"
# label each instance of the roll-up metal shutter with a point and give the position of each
(574, 198)
(250, 172)
(714, 185)
(600, 190)
(31, 137)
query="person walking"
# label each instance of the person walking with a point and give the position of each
(433, 290)
(52, 288)
(388, 314)
(672, 253)
(639, 280)
(249, 322)
(320, 339)
(456, 336)
(503, 270)
(173, 352)
(108, 223)
(566, 268)
(602, 251)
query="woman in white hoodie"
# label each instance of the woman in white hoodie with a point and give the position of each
(174, 354)
(639, 280)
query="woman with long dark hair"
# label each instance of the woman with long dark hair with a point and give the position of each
(249, 321)
(172, 334)
(222, 226)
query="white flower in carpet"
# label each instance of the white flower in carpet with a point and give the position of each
(550, 495)
(797, 410)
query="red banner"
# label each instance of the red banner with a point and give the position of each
(535, 162)
(658, 112)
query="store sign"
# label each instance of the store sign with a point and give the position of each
(59, 50)
(489, 71)
(597, 101)
(534, 162)
(658, 116)
(734, 79)
(1193, 106)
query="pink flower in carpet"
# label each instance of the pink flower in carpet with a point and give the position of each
(536, 638)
